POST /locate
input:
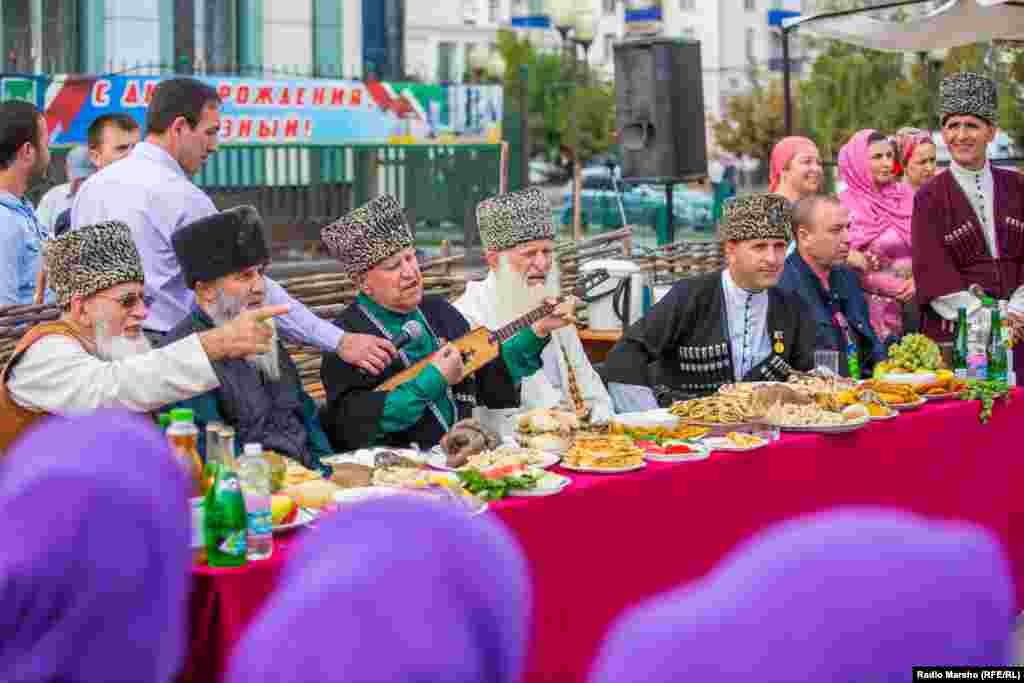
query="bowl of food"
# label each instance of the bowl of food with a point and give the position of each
(648, 419)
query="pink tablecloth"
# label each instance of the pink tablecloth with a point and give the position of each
(610, 541)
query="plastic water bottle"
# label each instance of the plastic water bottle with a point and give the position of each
(254, 472)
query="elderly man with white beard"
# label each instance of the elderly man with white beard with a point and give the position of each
(518, 235)
(95, 356)
(223, 258)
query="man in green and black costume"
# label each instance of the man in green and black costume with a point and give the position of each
(375, 248)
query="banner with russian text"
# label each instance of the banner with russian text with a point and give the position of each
(309, 111)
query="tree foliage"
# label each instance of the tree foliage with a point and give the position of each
(552, 98)
(752, 123)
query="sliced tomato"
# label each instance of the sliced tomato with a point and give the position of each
(502, 472)
(646, 444)
(678, 449)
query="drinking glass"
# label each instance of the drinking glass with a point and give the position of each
(827, 359)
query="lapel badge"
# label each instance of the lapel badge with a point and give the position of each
(780, 344)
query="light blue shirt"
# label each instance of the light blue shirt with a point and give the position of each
(150, 192)
(21, 250)
(747, 312)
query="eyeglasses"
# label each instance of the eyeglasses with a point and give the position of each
(129, 301)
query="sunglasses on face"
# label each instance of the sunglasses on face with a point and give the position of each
(131, 300)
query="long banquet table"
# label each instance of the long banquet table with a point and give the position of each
(610, 541)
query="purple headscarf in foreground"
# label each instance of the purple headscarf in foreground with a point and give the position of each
(394, 590)
(95, 554)
(854, 595)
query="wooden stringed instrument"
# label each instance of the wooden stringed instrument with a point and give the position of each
(481, 346)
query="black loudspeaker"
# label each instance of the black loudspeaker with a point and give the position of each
(659, 97)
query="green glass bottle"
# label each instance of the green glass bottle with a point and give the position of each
(997, 355)
(961, 346)
(226, 522)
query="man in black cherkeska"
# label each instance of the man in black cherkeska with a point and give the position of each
(725, 327)
(375, 248)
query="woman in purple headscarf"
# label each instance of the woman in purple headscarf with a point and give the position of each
(394, 590)
(880, 210)
(852, 595)
(95, 554)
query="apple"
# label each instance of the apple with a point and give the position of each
(282, 509)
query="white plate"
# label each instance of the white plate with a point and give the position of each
(437, 459)
(366, 456)
(891, 416)
(595, 470)
(829, 429)
(560, 484)
(908, 406)
(699, 452)
(362, 493)
(647, 419)
(941, 397)
(721, 443)
(910, 377)
(303, 517)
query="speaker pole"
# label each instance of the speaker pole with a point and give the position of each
(787, 95)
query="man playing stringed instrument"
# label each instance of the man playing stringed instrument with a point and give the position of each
(375, 248)
(518, 235)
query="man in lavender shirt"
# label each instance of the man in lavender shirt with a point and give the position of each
(151, 191)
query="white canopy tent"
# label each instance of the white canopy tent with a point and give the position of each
(954, 23)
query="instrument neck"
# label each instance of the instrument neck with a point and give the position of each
(505, 333)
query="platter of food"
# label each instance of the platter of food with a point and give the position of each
(548, 484)
(604, 453)
(945, 387)
(717, 410)
(302, 517)
(735, 442)
(496, 482)
(677, 451)
(810, 418)
(546, 429)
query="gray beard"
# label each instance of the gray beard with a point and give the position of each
(515, 297)
(116, 348)
(225, 309)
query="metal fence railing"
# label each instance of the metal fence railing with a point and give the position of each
(299, 188)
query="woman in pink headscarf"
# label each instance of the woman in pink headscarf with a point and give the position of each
(795, 170)
(917, 157)
(880, 210)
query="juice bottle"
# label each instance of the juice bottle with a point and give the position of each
(184, 439)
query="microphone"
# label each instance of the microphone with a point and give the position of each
(411, 331)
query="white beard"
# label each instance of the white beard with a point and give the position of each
(115, 348)
(225, 309)
(515, 297)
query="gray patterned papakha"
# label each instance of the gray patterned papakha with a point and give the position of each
(91, 259)
(757, 217)
(969, 94)
(511, 219)
(366, 236)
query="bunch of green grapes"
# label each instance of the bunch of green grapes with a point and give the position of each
(916, 352)
(987, 393)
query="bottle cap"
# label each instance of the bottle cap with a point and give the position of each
(253, 449)
(165, 420)
(182, 415)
